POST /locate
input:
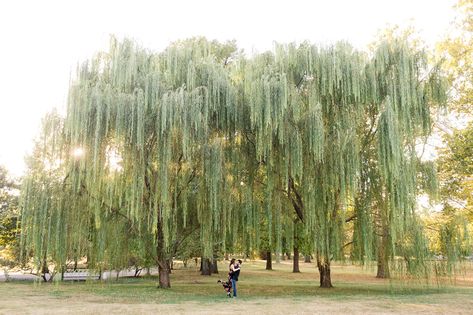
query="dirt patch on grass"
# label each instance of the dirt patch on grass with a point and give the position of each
(49, 305)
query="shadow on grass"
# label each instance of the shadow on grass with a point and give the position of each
(206, 290)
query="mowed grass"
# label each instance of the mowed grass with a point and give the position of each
(277, 291)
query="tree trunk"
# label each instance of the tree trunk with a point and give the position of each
(214, 266)
(162, 260)
(295, 261)
(44, 269)
(324, 272)
(383, 256)
(269, 261)
(227, 257)
(206, 268)
(164, 275)
(307, 259)
(383, 269)
(383, 264)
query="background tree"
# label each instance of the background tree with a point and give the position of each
(41, 200)
(457, 50)
(9, 213)
(452, 226)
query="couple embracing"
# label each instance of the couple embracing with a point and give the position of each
(234, 273)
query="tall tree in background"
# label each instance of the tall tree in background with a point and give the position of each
(381, 190)
(42, 193)
(456, 193)
(454, 223)
(458, 53)
(9, 213)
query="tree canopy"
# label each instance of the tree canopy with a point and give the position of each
(9, 213)
(201, 136)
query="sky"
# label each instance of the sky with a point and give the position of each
(42, 41)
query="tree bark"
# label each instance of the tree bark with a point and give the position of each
(383, 269)
(383, 256)
(324, 272)
(269, 261)
(383, 252)
(164, 275)
(307, 259)
(214, 266)
(206, 268)
(295, 261)
(44, 269)
(163, 262)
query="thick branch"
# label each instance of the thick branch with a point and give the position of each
(296, 203)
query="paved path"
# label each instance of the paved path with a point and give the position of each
(18, 276)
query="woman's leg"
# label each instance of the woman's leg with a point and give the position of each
(234, 287)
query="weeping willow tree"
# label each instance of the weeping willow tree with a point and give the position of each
(311, 110)
(40, 196)
(392, 175)
(152, 130)
(198, 136)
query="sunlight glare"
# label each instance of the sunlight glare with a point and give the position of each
(78, 152)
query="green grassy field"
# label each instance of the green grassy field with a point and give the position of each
(260, 292)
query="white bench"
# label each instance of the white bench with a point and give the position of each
(80, 275)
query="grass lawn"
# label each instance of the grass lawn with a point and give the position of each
(260, 292)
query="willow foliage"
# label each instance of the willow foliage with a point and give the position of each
(201, 132)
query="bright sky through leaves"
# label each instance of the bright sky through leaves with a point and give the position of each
(42, 41)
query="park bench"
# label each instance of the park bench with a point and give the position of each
(80, 275)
